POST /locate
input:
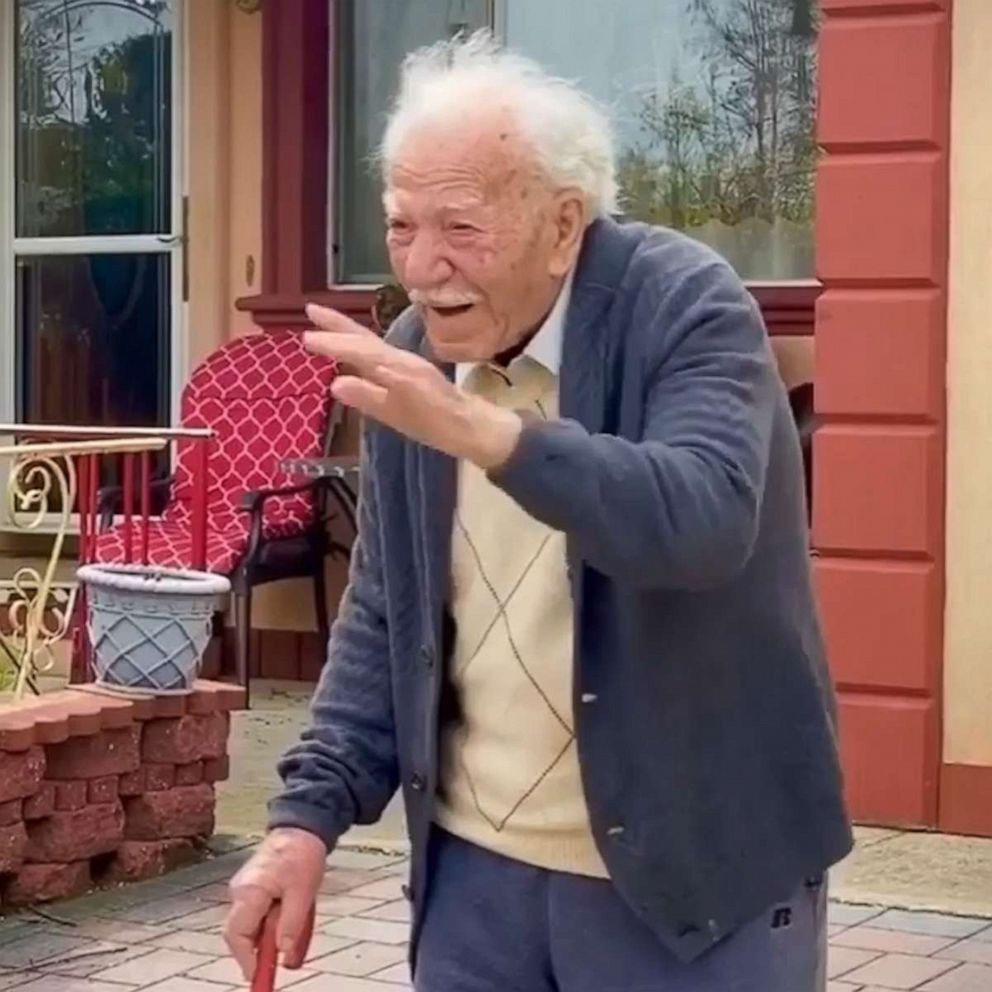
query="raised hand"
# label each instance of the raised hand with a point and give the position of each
(409, 394)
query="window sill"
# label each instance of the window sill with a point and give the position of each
(286, 309)
(788, 308)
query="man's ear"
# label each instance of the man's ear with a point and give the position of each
(569, 217)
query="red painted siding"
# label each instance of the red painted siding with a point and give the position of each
(878, 524)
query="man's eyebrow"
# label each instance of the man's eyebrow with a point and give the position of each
(458, 210)
(471, 203)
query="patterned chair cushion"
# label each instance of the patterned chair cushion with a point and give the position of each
(170, 539)
(267, 399)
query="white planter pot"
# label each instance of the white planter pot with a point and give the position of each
(148, 626)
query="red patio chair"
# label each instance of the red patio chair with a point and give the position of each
(266, 399)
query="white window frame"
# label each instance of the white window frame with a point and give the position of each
(335, 149)
(6, 211)
(172, 243)
(498, 13)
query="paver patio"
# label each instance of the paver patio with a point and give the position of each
(164, 936)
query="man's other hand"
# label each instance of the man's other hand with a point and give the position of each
(288, 868)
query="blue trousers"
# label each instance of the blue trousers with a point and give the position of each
(496, 925)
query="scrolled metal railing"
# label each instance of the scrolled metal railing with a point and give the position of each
(53, 476)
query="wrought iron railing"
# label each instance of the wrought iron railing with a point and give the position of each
(53, 481)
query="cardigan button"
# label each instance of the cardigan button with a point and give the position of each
(417, 782)
(427, 656)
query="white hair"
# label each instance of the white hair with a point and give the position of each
(568, 131)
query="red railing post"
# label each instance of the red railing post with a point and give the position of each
(146, 503)
(91, 501)
(87, 481)
(82, 497)
(201, 460)
(79, 670)
(128, 490)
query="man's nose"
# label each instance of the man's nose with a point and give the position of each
(425, 265)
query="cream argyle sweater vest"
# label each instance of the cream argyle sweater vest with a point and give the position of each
(510, 772)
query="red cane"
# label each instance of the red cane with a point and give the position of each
(267, 962)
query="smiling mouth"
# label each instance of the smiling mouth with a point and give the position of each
(453, 311)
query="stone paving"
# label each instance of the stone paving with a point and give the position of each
(164, 936)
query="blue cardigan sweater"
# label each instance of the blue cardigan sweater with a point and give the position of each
(704, 712)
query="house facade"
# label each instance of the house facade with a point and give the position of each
(174, 173)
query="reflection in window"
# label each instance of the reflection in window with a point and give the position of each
(373, 38)
(713, 103)
(93, 117)
(93, 339)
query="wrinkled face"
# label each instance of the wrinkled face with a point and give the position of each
(477, 237)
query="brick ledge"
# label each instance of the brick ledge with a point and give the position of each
(84, 710)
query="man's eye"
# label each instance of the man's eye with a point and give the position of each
(462, 229)
(397, 226)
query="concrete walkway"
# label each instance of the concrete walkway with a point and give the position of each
(163, 936)
(258, 737)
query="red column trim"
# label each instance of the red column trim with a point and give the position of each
(296, 42)
(882, 201)
(788, 308)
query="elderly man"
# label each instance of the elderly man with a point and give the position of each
(579, 631)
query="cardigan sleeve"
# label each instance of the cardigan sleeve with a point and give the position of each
(344, 769)
(679, 506)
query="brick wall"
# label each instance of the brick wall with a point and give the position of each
(97, 789)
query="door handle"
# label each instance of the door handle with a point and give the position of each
(181, 240)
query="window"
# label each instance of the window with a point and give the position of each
(90, 210)
(374, 37)
(713, 103)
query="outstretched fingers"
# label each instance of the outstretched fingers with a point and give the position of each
(328, 319)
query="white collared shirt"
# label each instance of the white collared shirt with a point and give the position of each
(545, 346)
